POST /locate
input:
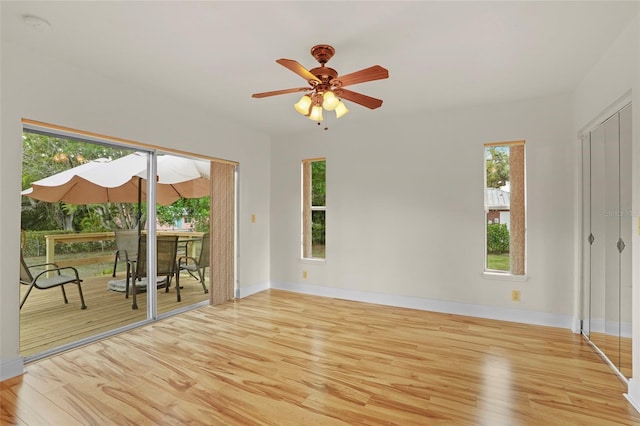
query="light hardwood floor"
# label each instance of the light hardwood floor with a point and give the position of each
(281, 358)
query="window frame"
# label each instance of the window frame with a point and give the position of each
(522, 252)
(307, 209)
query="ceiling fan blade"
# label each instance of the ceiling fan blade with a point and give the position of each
(375, 72)
(280, 92)
(359, 98)
(298, 69)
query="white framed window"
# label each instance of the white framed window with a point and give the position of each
(314, 208)
(505, 207)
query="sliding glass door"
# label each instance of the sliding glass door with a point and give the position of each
(149, 234)
(76, 194)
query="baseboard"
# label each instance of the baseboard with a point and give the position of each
(600, 326)
(11, 368)
(248, 291)
(633, 394)
(433, 305)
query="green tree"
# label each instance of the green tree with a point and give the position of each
(43, 156)
(497, 161)
(196, 209)
(319, 192)
(318, 182)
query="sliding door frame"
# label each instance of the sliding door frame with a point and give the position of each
(228, 289)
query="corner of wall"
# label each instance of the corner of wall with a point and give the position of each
(242, 292)
(11, 368)
(633, 394)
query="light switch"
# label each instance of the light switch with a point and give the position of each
(253, 218)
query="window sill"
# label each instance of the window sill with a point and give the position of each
(313, 261)
(500, 276)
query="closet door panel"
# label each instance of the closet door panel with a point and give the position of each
(607, 216)
(586, 233)
(598, 208)
(612, 230)
(626, 232)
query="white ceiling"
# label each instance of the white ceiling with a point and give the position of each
(216, 54)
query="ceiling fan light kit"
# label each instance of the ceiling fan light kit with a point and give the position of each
(304, 105)
(326, 87)
(341, 109)
(330, 101)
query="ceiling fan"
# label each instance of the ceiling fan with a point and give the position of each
(326, 88)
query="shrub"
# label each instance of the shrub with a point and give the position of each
(318, 227)
(318, 233)
(497, 238)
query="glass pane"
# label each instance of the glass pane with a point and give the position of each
(318, 183)
(318, 234)
(187, 219)
(77, 232)
(497, 243)
(498, 207)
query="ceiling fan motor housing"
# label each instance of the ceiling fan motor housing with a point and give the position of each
(324, 74)
(322, 53)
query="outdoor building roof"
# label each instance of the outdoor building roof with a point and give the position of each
(497, 199)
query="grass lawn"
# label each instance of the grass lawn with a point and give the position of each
(89, 270)
(317, 251)
(498, 262)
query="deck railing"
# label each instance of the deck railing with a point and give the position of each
(53, 239)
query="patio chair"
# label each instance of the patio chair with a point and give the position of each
(166, 248)
(126, 247)
(42, 282)
(197, 264)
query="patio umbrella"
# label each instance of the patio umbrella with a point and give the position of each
(179, 177)
(124, 180)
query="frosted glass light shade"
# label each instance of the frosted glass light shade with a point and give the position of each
(330, 101)
(316, 113)
(303, 105)
(341, 109)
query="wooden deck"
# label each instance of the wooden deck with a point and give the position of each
(47, 322)
(281, 358)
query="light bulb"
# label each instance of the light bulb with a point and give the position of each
(303, 105)
(330, 101)
(316, 113)
(341, 109)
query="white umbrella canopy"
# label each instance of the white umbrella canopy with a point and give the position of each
(123, 180)
(179, 177)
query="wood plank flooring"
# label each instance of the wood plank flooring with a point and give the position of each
(47, 322)
(281, 358)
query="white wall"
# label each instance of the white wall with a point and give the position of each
(41, 88)
(405, 221)
(612, 82)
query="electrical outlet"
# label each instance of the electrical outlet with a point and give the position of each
(304, 275)
(515, 295)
